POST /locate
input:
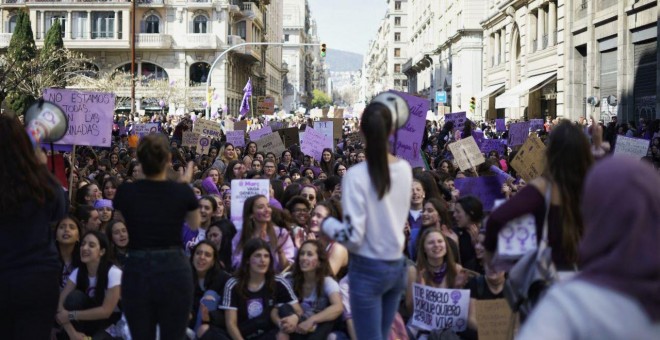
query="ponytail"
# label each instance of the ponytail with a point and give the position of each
(376, 125)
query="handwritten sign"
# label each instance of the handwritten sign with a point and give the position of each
(466, 153)
(314, 142)
(337, 125)
(459, 119)
(236, 137)
(289, 136)
(271, 143)
(90, 116)
(207, 128)
(438, 308)
(145, 129)
(257, 134)
(487, 189)
(326, 128)
(500, 125)
(536, 124)
(203, 145)
(488, 145)
(493, 318)
(276, 126)
(265, 105)
(529, 162)
(228, 124)
(635, 147)
(190, 139)
(241, 190)
(518, 133)
(241, 125)
(517, 237)
(409, 137)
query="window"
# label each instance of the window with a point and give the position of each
(199, 72)
(79, 27)
(199, 24)
(286, 37)
(397, 21)
(152, 72)
(103, 25)
(397, 5)
(397, 52)
(12, 24)
(397, 68)
(404, 83)
(50, 20)
(397, 36)
(397, 82)
(151, 24)
(241, 30)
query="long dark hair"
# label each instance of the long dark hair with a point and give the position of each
(215, 266)
(376, 124)
(75, 255)
(322, 271)
(569, 158)
(249, 227)
(22, 177)
(228, 230)
(327, 167)
(243, 272)
(82, 279)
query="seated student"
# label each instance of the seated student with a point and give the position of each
(316, 289)
(84, 310)
(252, 299)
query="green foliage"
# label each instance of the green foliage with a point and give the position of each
(52, 60)
(22, 47)
(19, 102)
(320, 99)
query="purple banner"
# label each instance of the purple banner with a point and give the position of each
(57, 147)
(488, 145)
(236, 137)
(458, 118)
(409, 137)
(536, 124)
(313, 143)
(503, 176)
(500, 125)
(90, 116)
(478, 137)
(487, 189)
(257, 134)
(518, 133)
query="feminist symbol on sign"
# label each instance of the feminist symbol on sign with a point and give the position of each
(455, 296)
(203, 142)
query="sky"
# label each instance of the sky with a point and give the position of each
(348, 25)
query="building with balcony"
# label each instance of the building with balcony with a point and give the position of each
(175, 40)
(297, 85)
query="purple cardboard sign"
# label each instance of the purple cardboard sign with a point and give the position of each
(500, 125)
(459, 119)
(257, 134)
(503, 176)
(536, 124)
(236, 137)
(478, 137)
(57, 147)
(90, 116)
(488, 145)
(518, 133)
(487, 189)
(409, 137)
(313, 143)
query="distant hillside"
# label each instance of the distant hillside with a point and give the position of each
(341, 61)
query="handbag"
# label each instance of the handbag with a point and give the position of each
(533, 274)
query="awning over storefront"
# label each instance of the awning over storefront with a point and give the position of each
(511, 98)
(489, 91)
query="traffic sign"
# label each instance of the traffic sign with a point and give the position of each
(441, 96)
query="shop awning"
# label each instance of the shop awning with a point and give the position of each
(489, 91)
(511, 98)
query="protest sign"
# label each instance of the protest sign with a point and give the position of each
(503, 176)
(90, 116)
(241, 190)
(236, 137)
(635, 147)
(339, 113)
(229, 125)
(190, 139)
(488, 145)
(487, 189)
(271, 143)
(265, 105)
(536, 124)
(275, 125)
(289, 136)
(466, 153)
(337, 126)
(144, 129)
(257, 134)
(500, 125)
(314, 142)
(409, 137)
(207, 128)
(241, 125)
(439, 308)
(517, 237)
(203, 145)
(529, 162)
(493, 318)
(459, 119)
(326, 128)
(518, 133)
(478, 137)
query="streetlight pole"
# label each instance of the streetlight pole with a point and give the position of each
(133, 15)
(222, 55)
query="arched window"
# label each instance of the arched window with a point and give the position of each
(152, 24)
(198, 73)
(12, 24)
(153, 72)
(199, 24)
(91, 70)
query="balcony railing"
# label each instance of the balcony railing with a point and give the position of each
(13, 1)
(201, 40)
(154, 40)
(251, 9)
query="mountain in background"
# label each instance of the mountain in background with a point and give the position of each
(342, 61)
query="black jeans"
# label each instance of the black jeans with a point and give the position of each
(157, 289)
(28, 302)
(77, 300)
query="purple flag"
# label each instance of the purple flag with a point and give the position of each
(247, 93)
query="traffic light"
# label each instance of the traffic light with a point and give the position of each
(323, 50)
(473, 104)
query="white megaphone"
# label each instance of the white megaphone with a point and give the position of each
(45, 122)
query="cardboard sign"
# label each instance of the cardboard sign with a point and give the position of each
(438, 308)
(236, 137)
(271, 143)
(325, 127)
(487, 189)
(289, 136)
(228, 125)
(635, 147)
(529, 162)
(500, 125)
(203, 145)
(241, 190)
(314, 142)
(536, 124)
(339, 113)
(258, 134)
(466, 153)
(144, 129)
(517, 237)
(493, 318)
(459, 119)
(276, 126)
(518, 133)
(207, 128)
(241, 125)
(337, 125)
(488, 145)
(478, 137)
(190, 139)
(409, 137)
(90, 116)
(265, 105)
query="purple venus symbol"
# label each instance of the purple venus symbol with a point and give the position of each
(455, 296)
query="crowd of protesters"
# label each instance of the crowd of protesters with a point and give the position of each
(156, 216)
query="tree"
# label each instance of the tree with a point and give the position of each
(20, 53)
(320, 99)
(51, 57)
